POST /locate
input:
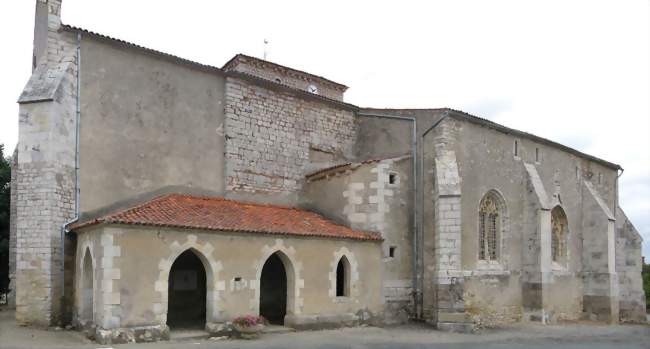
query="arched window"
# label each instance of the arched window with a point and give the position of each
(343, 278)
(559, 231)
(490, 221)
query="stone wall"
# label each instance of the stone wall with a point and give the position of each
(362, 196)
(628, 267)
(127, 299)
(45, 175)
(11, 298)
(270, 134)
(285, 76)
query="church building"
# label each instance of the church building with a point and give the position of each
(150, 193)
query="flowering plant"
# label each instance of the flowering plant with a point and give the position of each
(248, 320)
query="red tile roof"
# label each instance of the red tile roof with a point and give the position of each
(219, 214)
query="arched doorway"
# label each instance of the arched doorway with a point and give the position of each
(87, 289)
(186, 304)
(273, 290)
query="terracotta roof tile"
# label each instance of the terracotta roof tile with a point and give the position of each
(219, 214)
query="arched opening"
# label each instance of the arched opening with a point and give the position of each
(87, 289)
(343, 278)
(186, 303)
(273, 290)
(559, 232)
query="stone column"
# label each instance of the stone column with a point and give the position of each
(537, 269)
(448, 281)
(601, 301)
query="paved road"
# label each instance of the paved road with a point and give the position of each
(567, 336)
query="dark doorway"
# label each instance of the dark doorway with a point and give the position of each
(187, 290)
(273, 290)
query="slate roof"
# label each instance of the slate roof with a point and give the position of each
(219, 214)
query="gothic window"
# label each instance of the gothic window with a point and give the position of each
(489, 226)
(559, 230)
(343, 278)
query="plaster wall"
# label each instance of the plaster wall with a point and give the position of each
(363, 197)
(141, 288)
(146, 124)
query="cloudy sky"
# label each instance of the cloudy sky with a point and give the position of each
(576, 72)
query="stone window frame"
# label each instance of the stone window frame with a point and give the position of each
(344, 289)
(501, 231)
(559, 238)
(353, 276)
(396, 176)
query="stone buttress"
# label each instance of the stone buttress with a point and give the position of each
(45, 170)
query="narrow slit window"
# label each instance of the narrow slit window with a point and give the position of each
(537, 154)
(516, 147)
(391, 251)
(343, 278)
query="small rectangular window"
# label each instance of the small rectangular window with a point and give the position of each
(391, 251)
(237, 278)
(392, 178)
(536, 154)
(600, 178)
(516, 147)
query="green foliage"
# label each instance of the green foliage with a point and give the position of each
(646, 284)
(5, 178)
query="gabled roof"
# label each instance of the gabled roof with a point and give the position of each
(242, 57)
(219, 214)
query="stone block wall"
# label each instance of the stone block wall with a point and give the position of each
(285, 76)
(628, 267)
(270, 133)
(44, 174)
(11, 299)
(362, 196)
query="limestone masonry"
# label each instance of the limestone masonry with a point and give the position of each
(267, 176)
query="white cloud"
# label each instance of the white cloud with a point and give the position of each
(572, 71)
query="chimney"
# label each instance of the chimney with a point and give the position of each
(47, 21)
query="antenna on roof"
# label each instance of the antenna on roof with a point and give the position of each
(266, 42)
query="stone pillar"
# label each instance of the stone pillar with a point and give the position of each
(537, 269)
(448, 281)
(44, 172)
(600, 301)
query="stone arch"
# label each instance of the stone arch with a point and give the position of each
(559, 235)
(87, 286)
(213, 285)
(492, 227)
(353, 273)
(293, 269)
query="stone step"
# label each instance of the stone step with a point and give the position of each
(184, 335)
(277, 329)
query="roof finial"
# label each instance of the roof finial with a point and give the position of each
(266, 42)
